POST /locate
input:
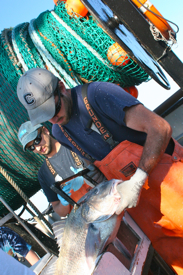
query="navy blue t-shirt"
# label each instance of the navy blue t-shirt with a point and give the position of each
(11, 240)
(108, 100)
(61, 162)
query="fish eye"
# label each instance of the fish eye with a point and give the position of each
(96, 191)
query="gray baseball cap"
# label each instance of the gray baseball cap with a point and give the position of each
(27, 133)
(35, 91)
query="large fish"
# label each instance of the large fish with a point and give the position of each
(85, 233)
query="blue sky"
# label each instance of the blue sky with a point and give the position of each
(13, 12)
(151, 93)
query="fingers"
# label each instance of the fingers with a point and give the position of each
(62, 200)
(95, 174)
(91, 167)
(67, 188)
(75, 170)
(99, 177)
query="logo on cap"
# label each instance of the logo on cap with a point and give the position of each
(29, 98)
(22, 133)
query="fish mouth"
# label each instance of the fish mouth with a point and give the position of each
(113, 190)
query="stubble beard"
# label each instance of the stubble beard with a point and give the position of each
(68, 108)
(49, 146)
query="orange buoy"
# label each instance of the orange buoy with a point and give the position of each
(132, 90)
(75, 6)
(56, 1)
(160, 23)
(117, 56)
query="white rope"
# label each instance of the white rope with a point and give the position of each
(159, 37)
(48, 59)
(93, 51)
(12, 56)
(16, 49)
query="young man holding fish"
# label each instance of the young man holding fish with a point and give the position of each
(60, 163)
(148, 160)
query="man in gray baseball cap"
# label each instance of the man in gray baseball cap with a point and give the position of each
(35, 91)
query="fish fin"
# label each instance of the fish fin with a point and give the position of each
(50, 267)
(58, 230)
(98, 260)
(121, 248)
(92, 244)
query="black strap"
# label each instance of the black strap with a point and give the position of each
(77, 161)
(105, 134)
(50, 167)
(84, 154)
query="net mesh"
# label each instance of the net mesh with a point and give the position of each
(26, 47)
(21, 167)
(67, 47)
(74, 48)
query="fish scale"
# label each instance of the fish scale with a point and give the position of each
(76, 253)
(87, 230)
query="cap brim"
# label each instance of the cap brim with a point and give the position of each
(42, 113)
(29, 138)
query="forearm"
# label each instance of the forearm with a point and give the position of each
(60, 209)
(158, 133)
(155, 146)
(32, 257)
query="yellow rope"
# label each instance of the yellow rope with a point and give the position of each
(23, 195)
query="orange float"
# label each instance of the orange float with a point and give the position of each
(75, 6)
(56, 1)
(132, 90)
(117, 56)
(153, 15)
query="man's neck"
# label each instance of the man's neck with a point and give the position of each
(55, 148)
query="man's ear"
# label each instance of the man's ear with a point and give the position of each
(62, 86)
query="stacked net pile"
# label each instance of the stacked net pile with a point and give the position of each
(87, 29)
(75, 49)
(79, 45)
(21, 167)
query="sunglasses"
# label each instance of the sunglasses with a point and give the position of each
(59, 103)
(36, 141)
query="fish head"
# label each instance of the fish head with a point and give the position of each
(101, 202)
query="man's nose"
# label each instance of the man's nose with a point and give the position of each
(53, 120)
(37, 148)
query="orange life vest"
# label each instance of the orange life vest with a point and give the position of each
(154, 16)
(160, 210)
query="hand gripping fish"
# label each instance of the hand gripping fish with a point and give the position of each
(88, 230)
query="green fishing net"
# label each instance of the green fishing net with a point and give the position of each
(75, 49)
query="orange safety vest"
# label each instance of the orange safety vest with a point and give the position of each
(159, 212)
